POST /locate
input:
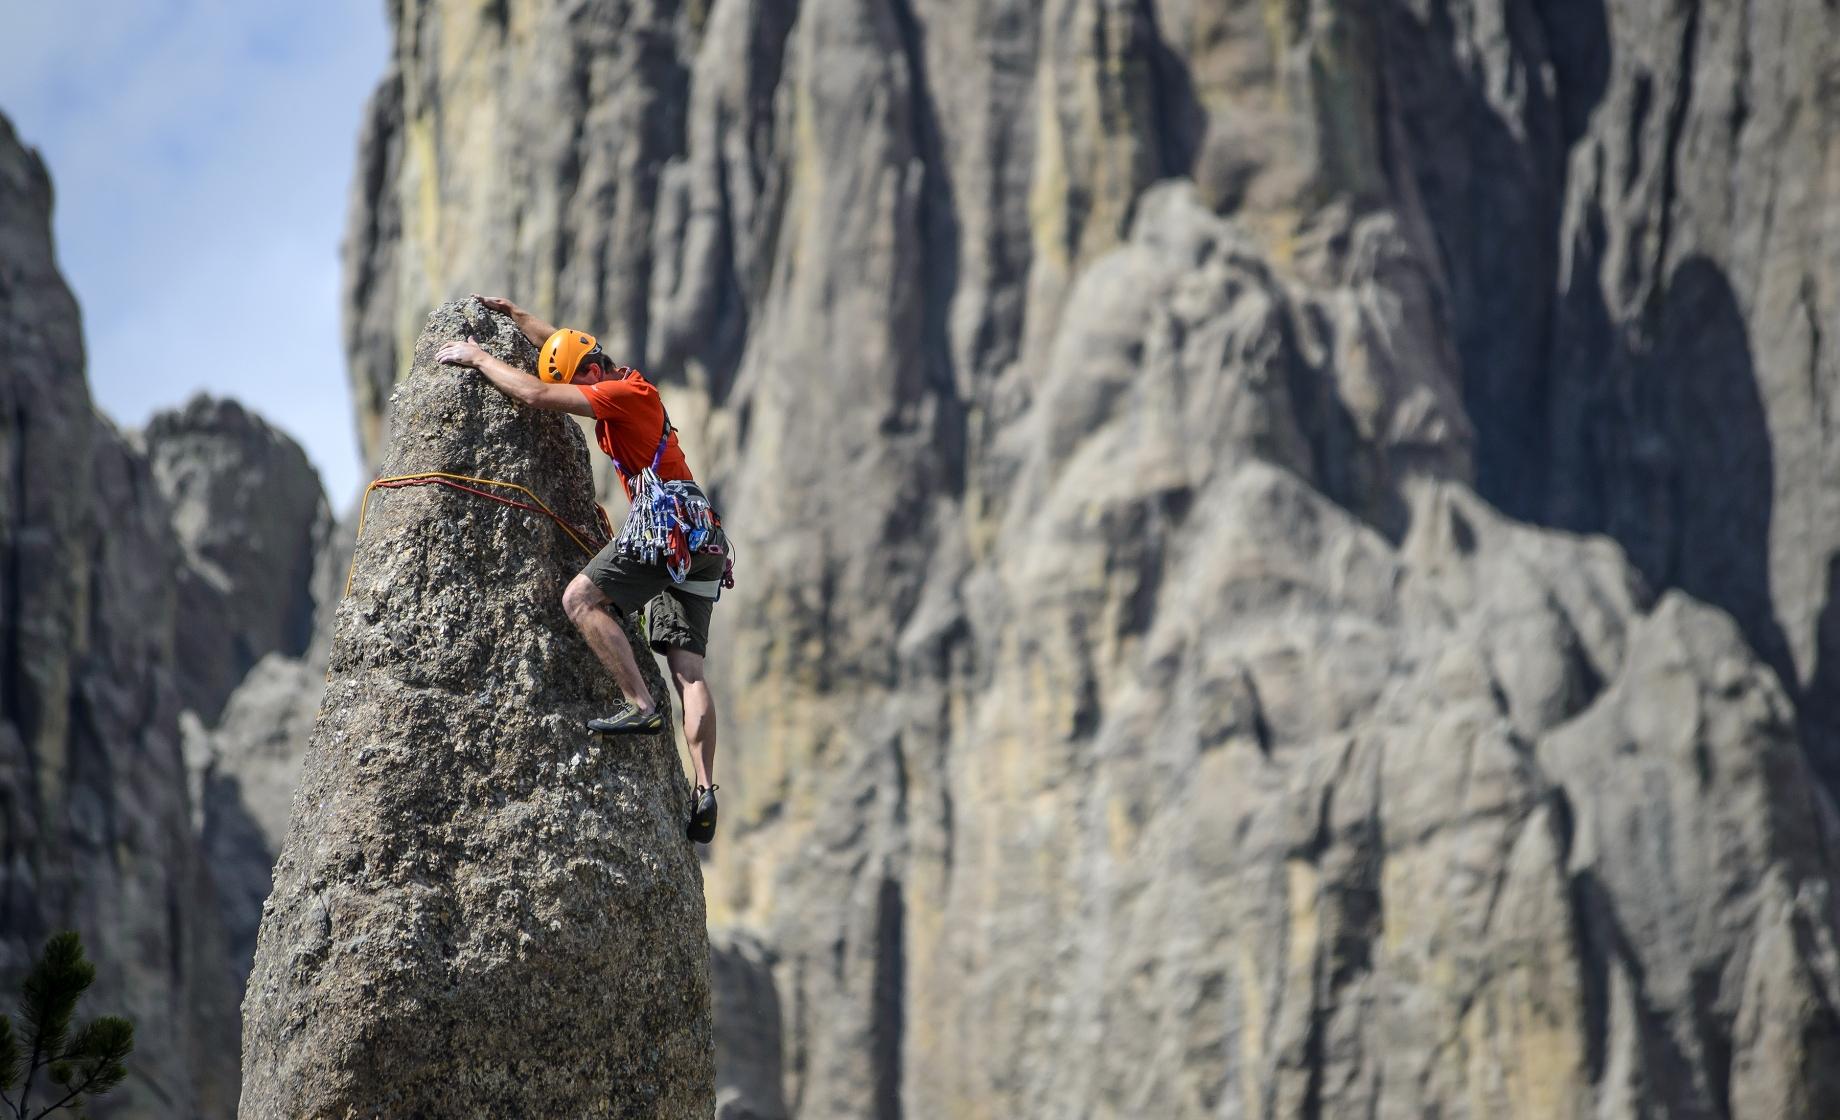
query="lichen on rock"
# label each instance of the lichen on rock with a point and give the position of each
(480, 909)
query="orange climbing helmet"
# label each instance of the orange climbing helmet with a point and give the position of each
(563, 354)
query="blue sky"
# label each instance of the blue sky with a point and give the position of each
(201, 152)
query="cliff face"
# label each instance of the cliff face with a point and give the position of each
(251, 520)
(480, 908)
(97, 823)
(245, 766)
(141, 574)
(1130, 707)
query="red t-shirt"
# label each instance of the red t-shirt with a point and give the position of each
(628, 419)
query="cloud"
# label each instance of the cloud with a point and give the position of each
(202, 153)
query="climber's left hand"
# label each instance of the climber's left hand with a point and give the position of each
(468, 354)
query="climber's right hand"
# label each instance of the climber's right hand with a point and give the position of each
(460, 353)
(496, 303)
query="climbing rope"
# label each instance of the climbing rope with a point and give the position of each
(458, 482)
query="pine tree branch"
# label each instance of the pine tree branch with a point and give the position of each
(25, 1091)
(72, 1095)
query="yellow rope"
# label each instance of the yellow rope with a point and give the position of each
(364, 506)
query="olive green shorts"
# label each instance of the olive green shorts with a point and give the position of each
(674, 618)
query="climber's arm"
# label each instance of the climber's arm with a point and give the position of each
(535, 329)
(515, 383)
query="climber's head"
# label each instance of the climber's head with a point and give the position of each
(593, 367)
(572, 357)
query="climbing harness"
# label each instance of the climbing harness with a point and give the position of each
(458, 482)
(670, 521)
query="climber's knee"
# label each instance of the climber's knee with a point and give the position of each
(581, 598)
(686, 668)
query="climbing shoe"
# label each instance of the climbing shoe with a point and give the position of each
(628, 721)
(702, 826)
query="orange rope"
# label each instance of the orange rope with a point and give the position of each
(454, 481)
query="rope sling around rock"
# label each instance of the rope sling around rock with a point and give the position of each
(458, 482)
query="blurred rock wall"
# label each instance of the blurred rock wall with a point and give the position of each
(1165, 677)
(141, 574)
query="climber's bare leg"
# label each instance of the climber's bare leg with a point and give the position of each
(586, 606)
(699, 711)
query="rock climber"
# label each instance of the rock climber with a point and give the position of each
(671, 557)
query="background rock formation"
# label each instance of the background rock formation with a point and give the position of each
(1130, 707)
(480, 907)
(140, 575)
(251, 520)
(244, 772)
(749, 1062)
(245, 768)
(95, 819)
